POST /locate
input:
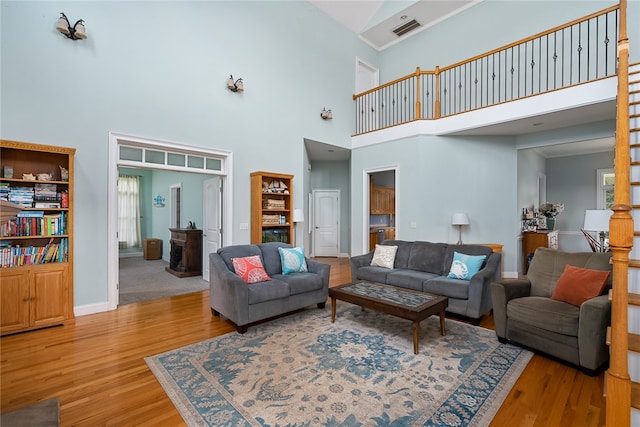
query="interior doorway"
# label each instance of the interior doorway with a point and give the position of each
(326, 223)
(380, 207)
(135, 152)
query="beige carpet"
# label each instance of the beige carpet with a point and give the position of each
(143, 280)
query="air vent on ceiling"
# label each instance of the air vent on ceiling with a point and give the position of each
(405, 28)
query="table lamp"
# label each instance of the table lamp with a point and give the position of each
(596, 220)
(460, 219)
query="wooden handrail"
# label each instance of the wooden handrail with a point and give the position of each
(439, 70)
(530, 38)
(618, 382)
(391, 83)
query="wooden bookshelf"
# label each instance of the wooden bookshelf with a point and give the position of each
(271, 207)
(36, 254)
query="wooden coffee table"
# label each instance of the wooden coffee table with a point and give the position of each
(400, 302)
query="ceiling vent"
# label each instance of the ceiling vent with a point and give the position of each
(406, 27)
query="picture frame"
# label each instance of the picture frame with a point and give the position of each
(542, 223)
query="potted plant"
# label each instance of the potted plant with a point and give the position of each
(550, 211)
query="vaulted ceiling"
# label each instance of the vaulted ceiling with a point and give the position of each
(376, 20)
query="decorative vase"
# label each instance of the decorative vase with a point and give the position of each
(551, 222)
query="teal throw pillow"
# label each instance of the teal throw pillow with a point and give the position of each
(465, 266)
(292, 260)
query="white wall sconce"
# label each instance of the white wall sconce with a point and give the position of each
(326, 114)
(460, 219)
(77, 32)
(235, 86)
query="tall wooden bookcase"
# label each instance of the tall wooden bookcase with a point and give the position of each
(271, 207)
(36, 247)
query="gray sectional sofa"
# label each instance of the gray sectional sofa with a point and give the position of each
(244, 303)
(424, 266)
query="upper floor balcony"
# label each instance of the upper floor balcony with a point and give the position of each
(561, 77)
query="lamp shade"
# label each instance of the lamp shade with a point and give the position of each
(298, 215)
(459, 219)
(597, 220)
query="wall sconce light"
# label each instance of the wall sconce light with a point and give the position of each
(326, 114)
(158, 201)
(77, 32)
(460, 219)
(237, 86)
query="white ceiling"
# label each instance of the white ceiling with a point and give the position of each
(374, 20)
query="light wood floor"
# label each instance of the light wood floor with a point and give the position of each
(96, 368)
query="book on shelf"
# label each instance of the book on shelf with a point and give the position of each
(47, 205)
(16, 256)
(47, 190)
(38, 225)
(30, 214)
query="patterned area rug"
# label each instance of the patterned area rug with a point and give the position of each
(302, 370)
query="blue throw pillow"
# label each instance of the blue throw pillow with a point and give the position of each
(292, 260)
(465, 266)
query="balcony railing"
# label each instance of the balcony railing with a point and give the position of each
(578, 52)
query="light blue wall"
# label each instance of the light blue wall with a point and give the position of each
(438, 176)
(159, 70)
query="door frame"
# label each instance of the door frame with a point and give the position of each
(118, 139)
(313, 225)
(366, 187)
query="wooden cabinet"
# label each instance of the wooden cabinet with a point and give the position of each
(382, 200)
(185, 257)
(531, 240)
(36, 253)
(34, 297)
(389, 234)
(271, 207)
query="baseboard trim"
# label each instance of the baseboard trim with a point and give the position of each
(83, 310)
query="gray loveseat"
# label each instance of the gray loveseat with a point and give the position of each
(244, 303)
(525, 313)
(424, 266)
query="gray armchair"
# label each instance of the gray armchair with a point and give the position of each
(525, 314)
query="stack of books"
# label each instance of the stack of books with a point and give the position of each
(45, 196)
(4, 191)
(21, 195)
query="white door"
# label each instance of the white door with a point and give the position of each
(367, 77)
(326, 222)
(211, 202)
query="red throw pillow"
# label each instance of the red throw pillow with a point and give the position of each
(576, 285)
(250, 269)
